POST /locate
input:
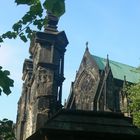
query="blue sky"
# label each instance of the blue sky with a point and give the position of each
(110, 26)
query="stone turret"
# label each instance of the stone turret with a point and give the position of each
(44, 86)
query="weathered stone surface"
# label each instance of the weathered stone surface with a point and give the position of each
(85, 85)
(43, 75)
(96, 89)
(44, 81)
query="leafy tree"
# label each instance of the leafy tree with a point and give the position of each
(133, 93)
(7, 130)
(35, 16)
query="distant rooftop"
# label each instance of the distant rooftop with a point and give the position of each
(119, 70)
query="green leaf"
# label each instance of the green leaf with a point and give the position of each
(5, 82)
(56, 7)
(23, 37)
(28, 30)
(39, 23)
(17, 26)
(1, 40)
(28, 2)
(14, 35)
(27, 18)
(6, 72)
(48, 4)
(0, 91)
(36, 9)
(9, 35)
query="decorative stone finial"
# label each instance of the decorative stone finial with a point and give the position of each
(124, 82)
(107, 61)
(52, 22)
(125, 78)
(87, 46)
(107, 57)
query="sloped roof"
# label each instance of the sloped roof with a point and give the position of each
(119, 70)
(88, 125)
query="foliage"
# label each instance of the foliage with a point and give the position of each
(34, 16)
(5, 81)
(6, 130)
(133, 93)
(22, 28)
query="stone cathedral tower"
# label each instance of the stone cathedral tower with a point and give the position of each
(43, 75)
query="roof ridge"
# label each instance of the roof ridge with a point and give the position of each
(117, 62)
(119, 70)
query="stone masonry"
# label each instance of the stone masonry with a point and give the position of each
(43, 75)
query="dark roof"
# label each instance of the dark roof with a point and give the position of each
(119, 70)
(90, 122)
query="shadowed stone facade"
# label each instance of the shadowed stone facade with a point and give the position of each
(96, 101)
(43, 77)
(99, 85)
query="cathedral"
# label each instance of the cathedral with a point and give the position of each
(96, 107)
(99, 84)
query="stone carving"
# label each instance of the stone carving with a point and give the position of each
(84, 88)
(44, 82)
(87, 83)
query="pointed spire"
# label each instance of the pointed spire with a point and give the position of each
(87, 46)
(107, 61)
(107, 67)
(107, 57)
(124, 82)
(125, 78)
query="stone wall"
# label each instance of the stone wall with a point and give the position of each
(43, 75)
(95, 89)
(86, 83)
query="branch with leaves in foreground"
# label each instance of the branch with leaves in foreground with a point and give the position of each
(34, 17)
(22, 28)
(5, 81)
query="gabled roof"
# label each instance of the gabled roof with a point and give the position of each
(119, 70)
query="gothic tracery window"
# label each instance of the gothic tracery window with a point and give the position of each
(85, 89)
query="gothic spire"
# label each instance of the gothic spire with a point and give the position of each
(107, 62)
(124, 82)
(87, 46)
